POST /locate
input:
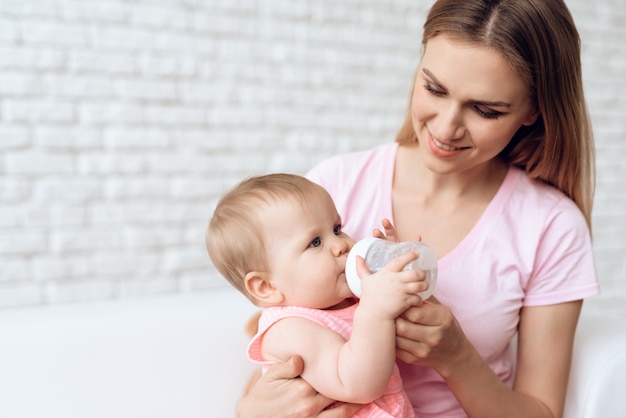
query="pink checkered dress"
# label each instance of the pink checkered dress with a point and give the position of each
(393, 403)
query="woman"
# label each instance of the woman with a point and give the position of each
(493, 168)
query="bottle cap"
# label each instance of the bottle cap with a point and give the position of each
(359, 249)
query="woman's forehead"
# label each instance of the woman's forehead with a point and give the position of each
(471, 69)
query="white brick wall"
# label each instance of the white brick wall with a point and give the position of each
(121, 123)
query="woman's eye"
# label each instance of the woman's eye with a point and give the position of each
(316, 242)
(488, 114)
(337, 229)
(429, 87)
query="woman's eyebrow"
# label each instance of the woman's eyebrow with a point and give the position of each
(430, 75)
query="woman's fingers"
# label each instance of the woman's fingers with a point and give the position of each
(343, 411)
(429, 335)
(287, 370)
(274, 393)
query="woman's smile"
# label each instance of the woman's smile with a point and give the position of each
(443, 150)
(458, 88)
(444, 146)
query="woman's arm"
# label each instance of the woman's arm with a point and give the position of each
(431, 336)
(545, 352)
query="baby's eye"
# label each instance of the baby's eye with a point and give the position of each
(337, 229)
(316, 242)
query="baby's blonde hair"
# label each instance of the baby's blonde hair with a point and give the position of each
(234, 238)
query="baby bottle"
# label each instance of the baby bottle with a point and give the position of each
(377, 252)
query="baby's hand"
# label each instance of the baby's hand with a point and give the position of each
(389, 232)
(392, 290)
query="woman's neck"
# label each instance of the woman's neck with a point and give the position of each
(441, 208)
(412, 175)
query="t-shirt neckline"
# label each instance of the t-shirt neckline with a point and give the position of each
(493, 208)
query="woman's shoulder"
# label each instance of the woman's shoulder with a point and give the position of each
(533, 188)
(544, 201)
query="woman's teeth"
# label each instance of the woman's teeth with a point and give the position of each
(444, 146)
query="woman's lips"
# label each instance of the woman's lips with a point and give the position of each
(443, 150)
(443, 146)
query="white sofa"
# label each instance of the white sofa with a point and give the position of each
(183, 357)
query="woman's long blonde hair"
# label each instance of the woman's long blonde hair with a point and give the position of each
(540, 41)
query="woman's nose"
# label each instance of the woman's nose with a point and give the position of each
(448, 124)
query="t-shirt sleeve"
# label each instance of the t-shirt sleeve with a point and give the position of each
(564, 265)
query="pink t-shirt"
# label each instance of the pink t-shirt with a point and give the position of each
(530, 247)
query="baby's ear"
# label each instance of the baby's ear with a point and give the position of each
(259, 285)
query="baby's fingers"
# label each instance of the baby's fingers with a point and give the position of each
(390, 231)
(361, 267)
(387, 233)
(400, 262)
(416, 284)
(377, 233)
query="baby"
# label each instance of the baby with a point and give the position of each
(277, 238)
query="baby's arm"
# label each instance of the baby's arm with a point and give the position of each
(358, 370)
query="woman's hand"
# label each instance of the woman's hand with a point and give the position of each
(280, 393)
(429, 335)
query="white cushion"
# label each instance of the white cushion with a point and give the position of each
(184, 357)
(597, 384)
(167, 357)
